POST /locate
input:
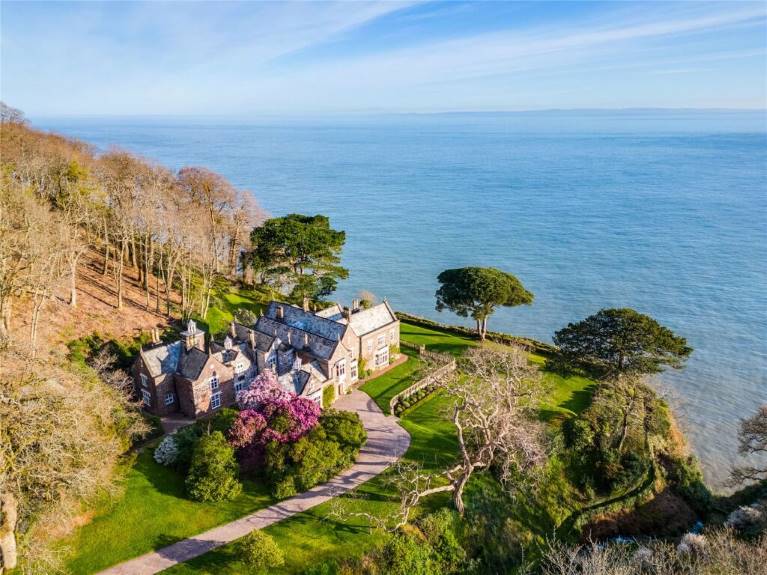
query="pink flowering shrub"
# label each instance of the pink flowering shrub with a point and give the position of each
(269, 413)
(263, 389)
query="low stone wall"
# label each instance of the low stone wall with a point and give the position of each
(445, 365)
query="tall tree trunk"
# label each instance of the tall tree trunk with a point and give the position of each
(8, 518)
(6, 303)
(148, 257)
(133, 256)
(120, 266)
(157, 284)
(39, 300)
(106, 248)
(73, 284)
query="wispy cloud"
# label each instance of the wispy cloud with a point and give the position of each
(320, 56)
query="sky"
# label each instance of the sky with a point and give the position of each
(254, 58)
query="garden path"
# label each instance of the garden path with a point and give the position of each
(386, 443)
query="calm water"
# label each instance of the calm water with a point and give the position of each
(663, 212)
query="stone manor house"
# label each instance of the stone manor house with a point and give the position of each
(309, 351)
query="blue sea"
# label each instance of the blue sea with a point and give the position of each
(665, 212)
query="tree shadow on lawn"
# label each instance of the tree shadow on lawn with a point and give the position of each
(165, 480)
(580, 399)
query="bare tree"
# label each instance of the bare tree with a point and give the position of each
(496, 395)
(9, 115)
(752, 439)
(715, 553)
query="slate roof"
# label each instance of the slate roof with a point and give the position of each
(192, 362)
(304, 381)
(371, 319)
(333, 312)
(162, 359)
(268, 329)
(296, 317)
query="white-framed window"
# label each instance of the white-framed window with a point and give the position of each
(215, 400)
(169, 398)
(381, 340)
(382, 357)
(146, 397)
(239, 367)
(353, 370)
(214, 383)
(272, 362)
(144, 380)
(239, 385)
(341, 369)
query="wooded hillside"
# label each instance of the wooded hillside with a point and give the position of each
(59, 201)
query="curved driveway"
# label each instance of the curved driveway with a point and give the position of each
(386, 443)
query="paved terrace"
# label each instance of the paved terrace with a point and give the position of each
(386, 443)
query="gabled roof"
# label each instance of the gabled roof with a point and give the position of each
(162, 359)
(192, 362)
(268, 329)
(296, 317)
(371, 319)
(333, 312)
(304, 381)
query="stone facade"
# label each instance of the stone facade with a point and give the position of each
(309, 351)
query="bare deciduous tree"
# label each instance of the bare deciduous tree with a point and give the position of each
(495, 396)
(752, 439)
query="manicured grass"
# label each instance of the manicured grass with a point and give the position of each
(386, 386)
(566, 394)
(435, 340)
(152, 512)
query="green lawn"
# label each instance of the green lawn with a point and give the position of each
(386, 386)
(435, 340)
(151, 512)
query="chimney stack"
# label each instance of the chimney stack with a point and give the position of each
(232, 330)
(252, 338)
(355, 305)
(306, 340)
(155, 335)
(346, 312)
(306, 304)
(280, 312)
